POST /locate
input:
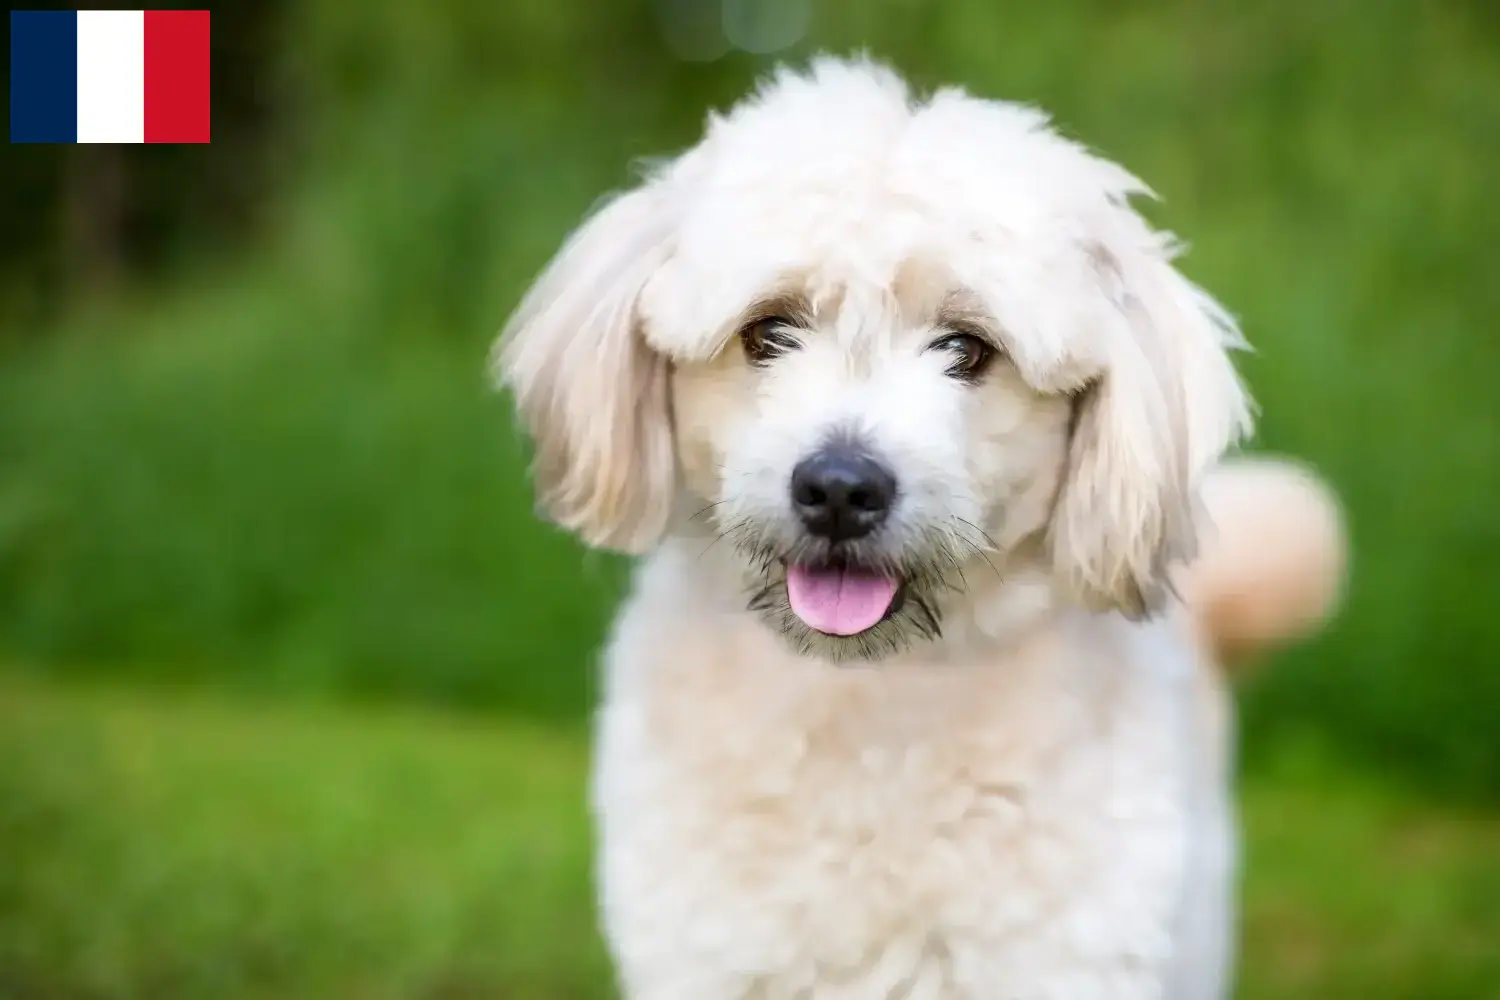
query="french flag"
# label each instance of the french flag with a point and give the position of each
(109, 76)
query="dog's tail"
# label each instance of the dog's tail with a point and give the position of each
(1271, 564)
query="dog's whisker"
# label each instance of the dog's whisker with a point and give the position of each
(982, 554)
(709, 507)
(994, 545)
(720, 535)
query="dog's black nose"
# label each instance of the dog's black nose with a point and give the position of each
(842, 494)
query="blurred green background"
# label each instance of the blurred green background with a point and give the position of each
(294, 688)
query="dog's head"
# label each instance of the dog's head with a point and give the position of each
(877, 345)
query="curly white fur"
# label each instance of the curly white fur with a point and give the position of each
(1027, 796)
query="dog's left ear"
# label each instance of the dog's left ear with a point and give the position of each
(592, 393)
(1166, 406)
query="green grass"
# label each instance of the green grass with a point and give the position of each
(183, 847)
(170, 845)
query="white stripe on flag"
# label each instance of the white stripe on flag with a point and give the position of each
(111, 76)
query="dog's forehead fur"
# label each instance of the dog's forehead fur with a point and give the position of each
(840, 179)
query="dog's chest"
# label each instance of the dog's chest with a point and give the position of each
(870, 836)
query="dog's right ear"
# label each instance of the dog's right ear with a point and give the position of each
(589, 390)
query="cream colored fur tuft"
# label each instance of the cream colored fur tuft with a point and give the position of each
(1273, 563)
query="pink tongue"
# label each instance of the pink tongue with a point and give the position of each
(836, 601)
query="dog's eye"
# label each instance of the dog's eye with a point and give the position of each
(971, 355)
(767, 338)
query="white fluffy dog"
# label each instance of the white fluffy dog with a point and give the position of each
(917, 693)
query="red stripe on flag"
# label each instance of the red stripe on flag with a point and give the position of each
(177, 76)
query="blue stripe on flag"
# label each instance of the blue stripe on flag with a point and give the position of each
(43, 76)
